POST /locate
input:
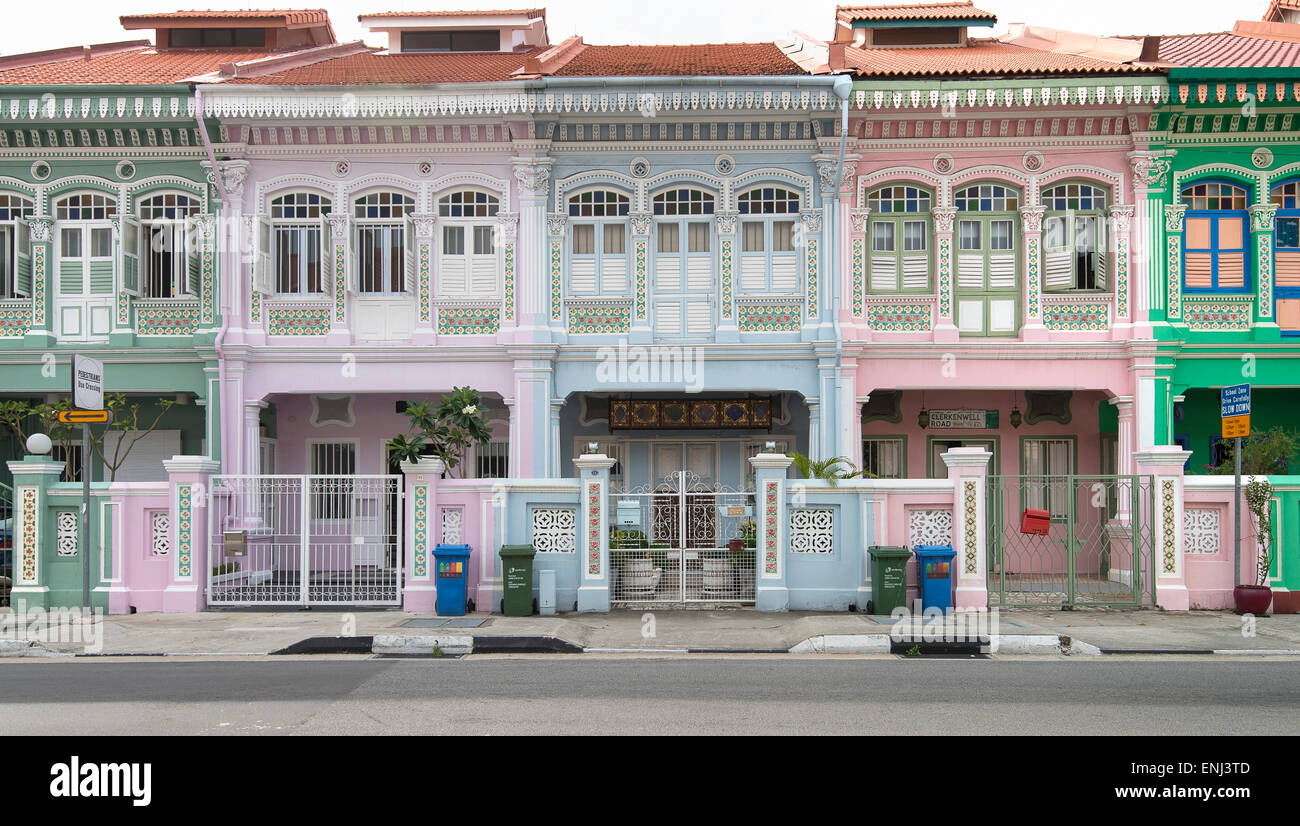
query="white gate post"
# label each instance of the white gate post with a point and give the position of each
(772, 593)
(421, 503)
(1166, 464)
(593, 532)
(190, 490)
(968, 467)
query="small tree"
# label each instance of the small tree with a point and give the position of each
(1267, 452)
(446, 431)
(17, 416)
(1259, 494)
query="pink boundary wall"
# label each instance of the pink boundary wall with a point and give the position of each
(139, 578)
(1209, 576)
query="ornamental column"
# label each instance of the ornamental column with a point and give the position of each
(1173, 270)
(339, 224)
(1031, 225)
(857, 321)
(727, 224)
(425, 332)
(419, 590)
(533, 175)
(642, 330)
(508, 232)
(1165, 464)
(593, 532)
(1261, 234)
(773, 591)
(944, 330)
(968, 468)
(40, 332)
(1149, 249)
(190, 486)
(1119, 250)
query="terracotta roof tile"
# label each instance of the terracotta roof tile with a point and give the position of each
(143, 65)
(980, 57)
(284, 17)
(728, 59)
(474, 12)
(1226, 49)
(927, 11)
(400, 69)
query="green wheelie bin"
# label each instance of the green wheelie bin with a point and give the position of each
(517, 576)
(888, 579)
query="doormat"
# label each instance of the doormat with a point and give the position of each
(443, 623)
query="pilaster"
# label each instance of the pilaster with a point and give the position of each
(419, 589)
(968, 468)
(593, 532)
(773, 591)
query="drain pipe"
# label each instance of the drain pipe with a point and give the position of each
(225, 308)
(843, 88)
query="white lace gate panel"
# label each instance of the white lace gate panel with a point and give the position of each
(1201, 530)
(453, 526)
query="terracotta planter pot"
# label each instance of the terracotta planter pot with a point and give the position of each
(735, 546)
(1252, 599)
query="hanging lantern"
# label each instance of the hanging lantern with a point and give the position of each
(924, 419)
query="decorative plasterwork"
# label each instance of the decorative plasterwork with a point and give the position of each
(769, 510)
(298, 319)
(1148, 171)
(81, 106)
(812, 276)
(1250, 177)
(15, 317)
(1169, 527)
(929, 527)
(906, 175)
(1261, 217)
(420, 531)
(1201, 532)
(1010, 94)
(166, 317)
(970, 525)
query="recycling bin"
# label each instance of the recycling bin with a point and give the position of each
(888, 579)
(517, 575)
(934, 573)
(452, 565)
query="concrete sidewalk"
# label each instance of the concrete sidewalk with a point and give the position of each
(1081, 632)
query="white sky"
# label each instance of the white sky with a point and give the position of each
(50, 24)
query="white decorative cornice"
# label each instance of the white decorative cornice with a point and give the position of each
(641, 223)
(1029, 93)
(1122, 217)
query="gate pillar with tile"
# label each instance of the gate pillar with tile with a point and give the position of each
(1166, 464)
(190, 490)
(773, 590)
(968, 467)
(421, 483)
(593, 532)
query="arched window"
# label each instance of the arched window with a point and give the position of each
(297, 242)
(1286, 255)
(383, 243)
(1214, 237)
(170, 268)
(900, 239)
(1074, 238)
(768, 263)
(988, 260)
(683, 268)
(598, 245)
(15, 246)
(467, 259)
(84, 285)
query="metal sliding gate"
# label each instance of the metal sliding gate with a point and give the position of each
(305, 540)
(681, 541)
(1098, 549)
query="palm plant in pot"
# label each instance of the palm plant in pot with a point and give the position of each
(1258, 598)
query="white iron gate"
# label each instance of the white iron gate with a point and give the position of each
(682, 540)
(305, 540)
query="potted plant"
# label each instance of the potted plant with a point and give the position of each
(1258, 598)
(447, 430)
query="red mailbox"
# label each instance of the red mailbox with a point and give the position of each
(1035, 523)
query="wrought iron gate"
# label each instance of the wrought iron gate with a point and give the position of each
(305, 540)
(682, 540)
(8, 530)
(1098, 546)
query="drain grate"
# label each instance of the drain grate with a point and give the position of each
(443, 623)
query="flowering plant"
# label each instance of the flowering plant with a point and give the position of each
(446, 430)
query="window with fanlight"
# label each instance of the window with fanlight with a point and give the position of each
(1074, 238)
(298, 240)
(1215, 233)
(598, 230)
(768, 261)
(15, 246)
(467, 244)
(988, 260)
(899, 232)
(168, 254)
(683, 262)
(383, 241)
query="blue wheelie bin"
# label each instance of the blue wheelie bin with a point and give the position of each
(452, 565)
(934, 572)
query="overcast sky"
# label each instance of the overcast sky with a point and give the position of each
(49, 24)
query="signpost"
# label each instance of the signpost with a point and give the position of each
(88, 398)
(1234, 403)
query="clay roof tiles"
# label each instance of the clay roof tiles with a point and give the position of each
(726, 59)
(141, 65)
(979, 57)
(1226, 49)
(928, 11)
(283, 17)
(399, 69)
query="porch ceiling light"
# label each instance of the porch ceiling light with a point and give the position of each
(769, 446)
(593, 447)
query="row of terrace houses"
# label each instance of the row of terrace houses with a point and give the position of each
(1031, 258)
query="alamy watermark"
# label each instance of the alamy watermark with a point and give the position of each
(678, 366)
(67, 626)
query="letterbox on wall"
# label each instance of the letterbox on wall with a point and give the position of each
(234, 543)
(1035, 522)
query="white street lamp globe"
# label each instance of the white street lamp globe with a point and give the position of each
(39, 444)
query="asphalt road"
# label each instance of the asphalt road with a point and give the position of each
(589, 694)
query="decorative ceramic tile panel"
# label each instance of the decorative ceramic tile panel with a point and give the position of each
(896, 318)
(1121, 279)
(557, 262)
(945, 277)
(65, 533)
(29, 546)
(208, 290)
(1201, 530)
(812, 277)
(425, 307)
(509, 281)
(453, 526)
(123, 310)
(555, 530)
(469, 321)
(298, 321)
(1265, 270)
(39, 252)
(1169, 534)
(858, 276)
(929, 527)
(770, 318)
(184, 531)
(340, 284)
(585, 319)
(812, 531)
(640, 282)
(1217, 315)
(1076, 317)
(160, 533)
(970, 518)
(594, 533)
(166, 318)
(254, 303)
(420, 513)
(1033, 280)
(1174, 276)
(15, 318)
(728, 272)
